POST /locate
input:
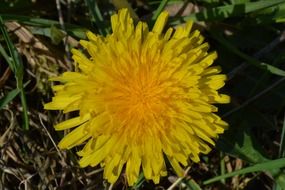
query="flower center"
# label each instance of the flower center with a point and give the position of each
(137, 98)
(144, 99)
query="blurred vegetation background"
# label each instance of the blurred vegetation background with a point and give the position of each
(35, 41)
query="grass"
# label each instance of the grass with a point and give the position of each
(16, 65)
(249, 38)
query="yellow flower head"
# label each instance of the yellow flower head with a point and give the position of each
(142, 96)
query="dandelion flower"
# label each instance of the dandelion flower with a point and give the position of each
(143, 97)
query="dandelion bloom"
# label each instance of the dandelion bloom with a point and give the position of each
(142, 96)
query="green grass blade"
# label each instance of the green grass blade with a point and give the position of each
(266, 166)
(96, 16)
(282, 141)
(14, 63)
(25, 109)
(139, 182)
(223, 12)
(270, 68)
(10, 96)
(192, 185)
(160, 8)
(17, 68)
(222, 166)
(7, 58)
(71, 29)
(30, 20)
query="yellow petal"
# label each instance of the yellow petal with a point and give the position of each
(176, 166)
(74, 138)
(72, 122)
(160, 22)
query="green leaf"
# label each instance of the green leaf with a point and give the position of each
(280, 180)
(238, 141)
(79, 33)
(244, 150)
(227, 11)
(272, 69)
(275, 14)
(56, 35)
